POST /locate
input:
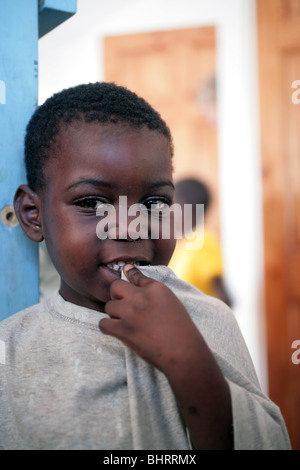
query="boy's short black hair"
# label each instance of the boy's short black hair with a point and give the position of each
(103, 102)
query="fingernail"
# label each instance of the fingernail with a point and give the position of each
(127, 267)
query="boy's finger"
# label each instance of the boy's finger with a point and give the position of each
(119, 289)
(135, 276)
(114, 309)
(109, 326)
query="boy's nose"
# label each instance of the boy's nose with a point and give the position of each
(127, 223)
(131, 223)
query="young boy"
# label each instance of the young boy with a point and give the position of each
(109, 364)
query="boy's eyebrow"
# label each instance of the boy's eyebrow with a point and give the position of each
(90, 181)
(97, 182)
(159, 184)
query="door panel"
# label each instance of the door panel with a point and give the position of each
(175, 71)
(279, 67)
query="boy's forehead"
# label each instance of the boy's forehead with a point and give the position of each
(95, 147)
(82, 134)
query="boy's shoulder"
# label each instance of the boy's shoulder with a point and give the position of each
(22, 319)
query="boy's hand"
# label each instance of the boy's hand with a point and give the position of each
(148, 318)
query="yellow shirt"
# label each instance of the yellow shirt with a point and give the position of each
(199, 267)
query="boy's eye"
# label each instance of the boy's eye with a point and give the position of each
(91, 203)
(157, 206)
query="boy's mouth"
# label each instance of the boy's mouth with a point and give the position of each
(118, 265)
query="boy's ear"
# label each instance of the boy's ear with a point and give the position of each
(27, 206)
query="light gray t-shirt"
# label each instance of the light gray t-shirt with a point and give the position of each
(66, 385)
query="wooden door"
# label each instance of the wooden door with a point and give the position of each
(175, 71)
(279, 68)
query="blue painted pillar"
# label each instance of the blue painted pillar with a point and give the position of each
(19, 85)
(19, 33)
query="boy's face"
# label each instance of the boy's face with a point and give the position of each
(95, 164)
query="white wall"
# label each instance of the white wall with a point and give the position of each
(72, 54)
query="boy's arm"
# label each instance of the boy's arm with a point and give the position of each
(203, 397)
(153, 323)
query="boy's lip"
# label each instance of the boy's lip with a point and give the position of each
(127, 259)
(112, 269)
(115, 266)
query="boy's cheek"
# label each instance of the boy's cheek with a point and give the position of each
(167, 248)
